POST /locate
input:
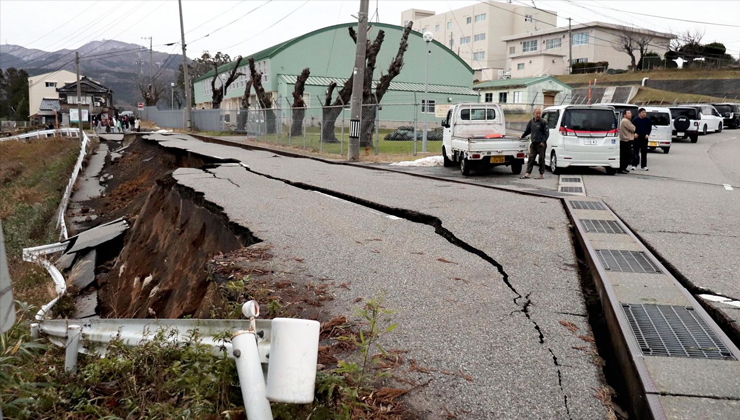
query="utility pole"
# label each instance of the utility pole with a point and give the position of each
(353, 152)
(186, 82)
(570, 48)
(79, 93)
(151, 64)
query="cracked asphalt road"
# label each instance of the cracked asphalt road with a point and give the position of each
(442, 254)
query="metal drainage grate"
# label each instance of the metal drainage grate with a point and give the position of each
(674, 331)
(587, 205)
(601, 226)
(626, 261)
(570, 180)
(571, 189)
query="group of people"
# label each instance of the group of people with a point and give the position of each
(633, 140)
(116, 125)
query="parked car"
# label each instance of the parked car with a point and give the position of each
(711, 120)
(730, 114)
(582, 136)
(685, 121)
(474, 137)
(621, 108)
(661, 134)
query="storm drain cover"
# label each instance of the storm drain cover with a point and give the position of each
(626, 261)
(601, 226)
(674, 331)
(572, 189)
(587, 205)
(571, 179)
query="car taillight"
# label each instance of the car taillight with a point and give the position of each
(612, 133)
(696, 123)
(564, 131)
(476, 156)
(520, 155)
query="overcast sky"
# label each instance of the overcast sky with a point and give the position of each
(54, 25)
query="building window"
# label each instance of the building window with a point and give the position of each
(528, 46)
(528, 18)
(427, 109)
(480, 37)
(517, 97)
(580, 38)
(307, 99)
(502, 97)
(51, 84)
(512, 50)
(489, 97)
(520, 66)
(480, 18)
(465, 40)
(423, 30)
(552, 43)
(449, 25)
(436, 28)
(580, 60)
(480, 55)
(468, 20)
(405, 22)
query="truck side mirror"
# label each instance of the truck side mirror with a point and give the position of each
(444, 123)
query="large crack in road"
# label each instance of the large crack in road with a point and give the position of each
(439, 229)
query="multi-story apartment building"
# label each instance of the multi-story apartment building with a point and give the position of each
(545, 52)
(45, 86)
(474, 32)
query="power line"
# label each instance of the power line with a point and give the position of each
(269, 27)
(677, 19)
(216, 17)
(230, 23)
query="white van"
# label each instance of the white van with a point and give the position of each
(711, 119)
(582, 135)
(661, 134)
(474, 137)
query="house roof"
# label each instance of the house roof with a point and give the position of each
(86, 85)
(396, 86)
(562, 29)
(49, 104)
(520, 82)
(272, 51)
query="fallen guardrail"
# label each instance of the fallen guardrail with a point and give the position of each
(68, 132)
(61, 223)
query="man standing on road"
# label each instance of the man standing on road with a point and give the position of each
(538, 128)
(643, 126)
(626, 138)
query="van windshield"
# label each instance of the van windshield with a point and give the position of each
(591, 120)
(659, 118)
(690, 113)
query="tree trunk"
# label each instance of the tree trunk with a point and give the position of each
(264, 101)
(244, 111)
(217, 95)
(328, 123)
(299, 105)
(367, 125)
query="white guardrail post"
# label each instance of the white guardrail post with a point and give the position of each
(73, 347)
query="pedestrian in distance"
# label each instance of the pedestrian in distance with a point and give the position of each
(137, 124)
(626, 139)
(643, 127)
(537, 127)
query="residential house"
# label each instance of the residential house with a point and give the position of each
(44, 86)
(525, 93)
(545, 52)
(474, 32)
(94, 97)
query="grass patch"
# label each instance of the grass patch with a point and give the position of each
(662, 74)
(646, 95)
(33, 176)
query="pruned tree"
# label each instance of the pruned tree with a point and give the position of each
(263, 100)
(299, 105)
(332, 110)
(625, 42)
(244, 104)
(217, 94)
(151, 92)
(643, 41)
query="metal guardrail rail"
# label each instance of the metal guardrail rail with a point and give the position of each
(68, 132)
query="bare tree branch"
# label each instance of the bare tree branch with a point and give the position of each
(394, 69)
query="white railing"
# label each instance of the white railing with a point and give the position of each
(67, 132)
(61, 223)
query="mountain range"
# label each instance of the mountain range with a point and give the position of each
(117, 65)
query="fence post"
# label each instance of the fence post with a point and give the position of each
(304, 133)
(290, 122)
(415, 122)
(377, 122)
(73, 346)
(341, 140)
(251, 379)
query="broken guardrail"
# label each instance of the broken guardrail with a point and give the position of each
(61, 224)
(68, 132)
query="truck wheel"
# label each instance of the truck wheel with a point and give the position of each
(610, 170)
(447, 162)
(694, 137)
(516, 167)
(465, 166)
(554, 164)
(666, 149)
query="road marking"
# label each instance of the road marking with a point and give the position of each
(387, 216)
(728, 187)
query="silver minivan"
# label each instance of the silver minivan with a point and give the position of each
(661, 134)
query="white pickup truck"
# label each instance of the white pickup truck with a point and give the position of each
(475, 138)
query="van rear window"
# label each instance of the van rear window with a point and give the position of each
(659, 118)
(478, 114)
(589, 120)
(724, 108)
(687, 112)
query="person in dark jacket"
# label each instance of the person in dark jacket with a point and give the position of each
(537, 127)
(643, 127)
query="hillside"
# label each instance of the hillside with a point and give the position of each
(662, 74)
(115, 64)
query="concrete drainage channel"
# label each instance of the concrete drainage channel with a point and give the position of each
(674, 360)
